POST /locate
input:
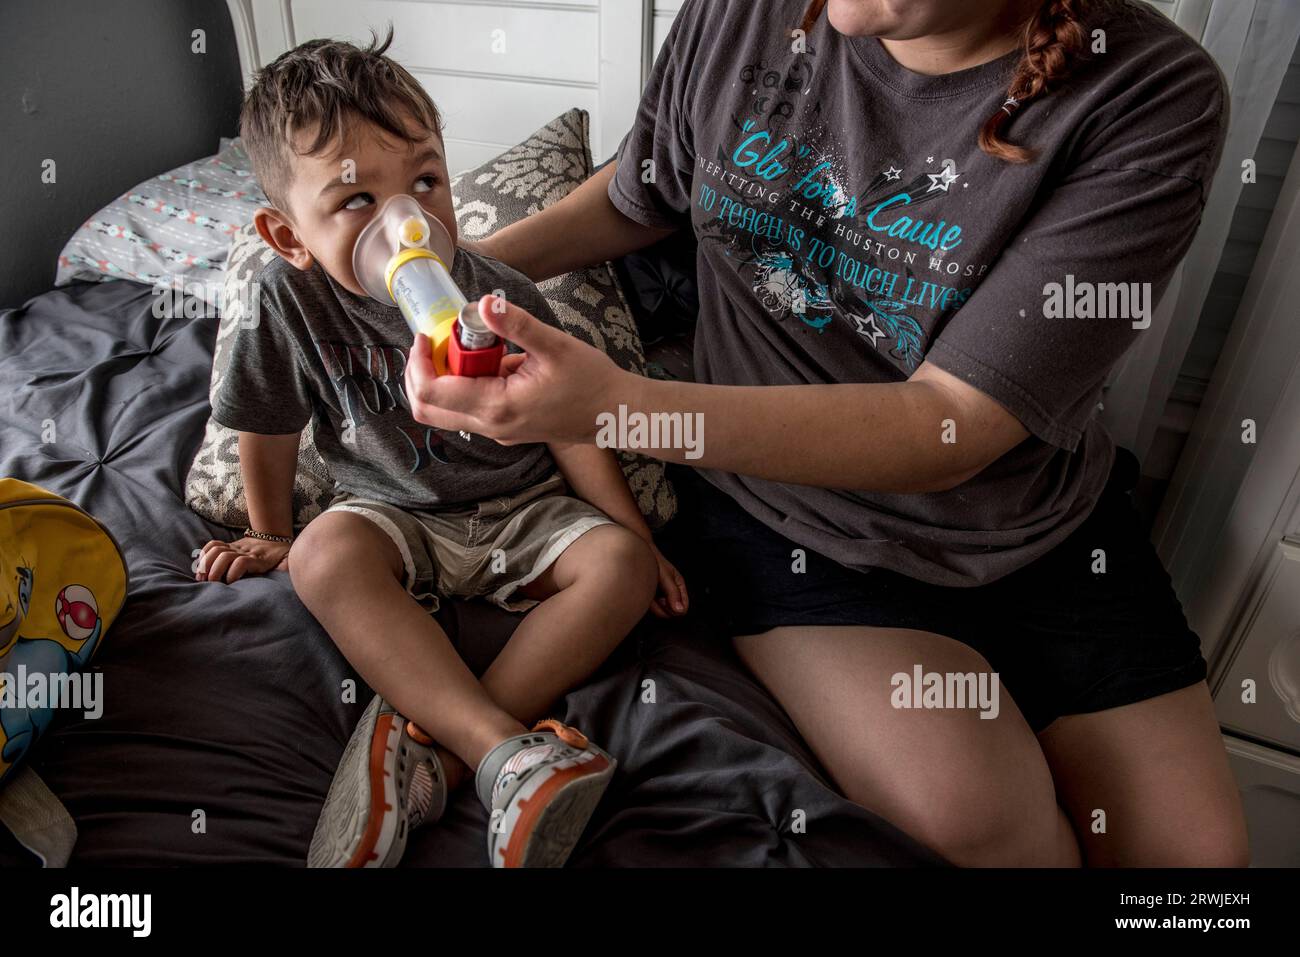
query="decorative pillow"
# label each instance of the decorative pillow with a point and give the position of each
(214, 487)
(545, 167)
(173, 229)
(589, 303)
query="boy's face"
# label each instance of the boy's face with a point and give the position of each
(331, 200)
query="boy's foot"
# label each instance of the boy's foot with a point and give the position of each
(389, 781)
(540, 789)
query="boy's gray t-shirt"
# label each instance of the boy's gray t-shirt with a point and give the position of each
(319, 350)
(850, 229)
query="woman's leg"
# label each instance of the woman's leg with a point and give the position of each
(976, 790)
(1159, 772)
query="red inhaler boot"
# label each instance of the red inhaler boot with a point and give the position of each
(473, 362)
(473, 349)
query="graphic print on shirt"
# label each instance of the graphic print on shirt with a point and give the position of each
(370, 383)
(816, 248)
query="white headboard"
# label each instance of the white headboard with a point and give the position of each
(498, 69)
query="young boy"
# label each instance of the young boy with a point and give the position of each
(332, 132)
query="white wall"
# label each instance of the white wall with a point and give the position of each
(498, 69)
(665, 11)
(1245, 235)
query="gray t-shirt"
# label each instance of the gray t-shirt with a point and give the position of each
(850, 228)
(319, 350)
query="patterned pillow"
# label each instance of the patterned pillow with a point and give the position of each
(589, 303)
(173, 229)
(214, 487)
(545, 167)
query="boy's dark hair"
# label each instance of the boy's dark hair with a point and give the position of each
(327, 84)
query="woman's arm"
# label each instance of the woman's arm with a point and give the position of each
(581, 229)
(927, 434)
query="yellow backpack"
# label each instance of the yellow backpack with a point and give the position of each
(63, 581)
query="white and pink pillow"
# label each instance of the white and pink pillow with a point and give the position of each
(174, 228)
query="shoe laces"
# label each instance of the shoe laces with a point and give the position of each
(419, 796)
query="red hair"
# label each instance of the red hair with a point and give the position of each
(1052, 41)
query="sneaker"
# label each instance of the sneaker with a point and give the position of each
(540, 790)
(389, 781)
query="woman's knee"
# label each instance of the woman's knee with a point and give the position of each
(1219, 842)
(1214, 836)
(987, 801)
(976, 789)
(1155, 773)
(1010, 826)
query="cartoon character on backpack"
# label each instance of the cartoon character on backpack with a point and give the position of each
(79, 618)
(63, 582)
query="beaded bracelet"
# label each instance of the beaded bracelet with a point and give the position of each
(268, 537)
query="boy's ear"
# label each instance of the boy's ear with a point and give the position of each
(275, 228)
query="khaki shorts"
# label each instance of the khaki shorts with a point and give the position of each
(489, 549)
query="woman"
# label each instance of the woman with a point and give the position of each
(927, 232)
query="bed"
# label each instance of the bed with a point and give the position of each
(223, 719)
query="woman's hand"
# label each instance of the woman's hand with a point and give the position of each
(551, 393)
(231, 561)
(671, 600)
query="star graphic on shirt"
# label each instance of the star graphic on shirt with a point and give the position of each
(867, 328)
(893, 173)
(929, 159)
(941, 180)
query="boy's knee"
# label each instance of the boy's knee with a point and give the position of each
(626, 560)
(306, 556)
(332, 545)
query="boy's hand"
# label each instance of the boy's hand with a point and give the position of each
(671, 600)
(231, 561)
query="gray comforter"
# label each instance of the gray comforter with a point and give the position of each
(225, 698)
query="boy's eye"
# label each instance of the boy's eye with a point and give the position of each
(358, 201)
(426, 183)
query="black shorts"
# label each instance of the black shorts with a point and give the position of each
(1062, 639)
